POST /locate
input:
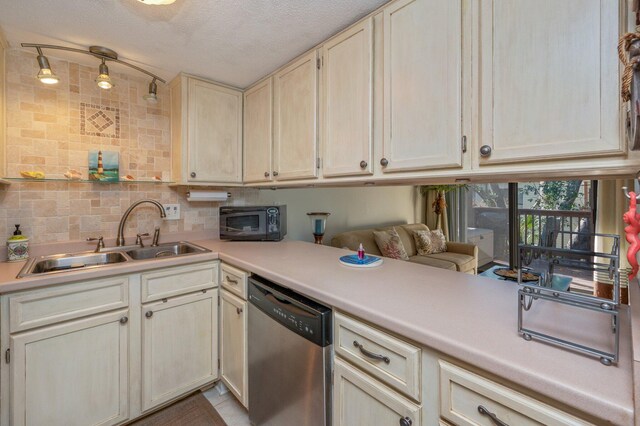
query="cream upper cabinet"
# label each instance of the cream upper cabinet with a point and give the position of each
(546, 79)
(233, 345)
(206, 132)
(347, 78)
(73, 373)
(258, 132)
(422, 85)
(296, 119)
(360, 400)
(179, 346)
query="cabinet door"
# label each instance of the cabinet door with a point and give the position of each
(422, 85)
(215, 133)
(179, 346)
(233, 345)
(361, 400)
(295, 120)
(258, 135)
(347, 102)
(75, 373)
(547, 79)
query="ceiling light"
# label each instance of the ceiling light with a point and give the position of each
(45, 74)
(103, 79)
(157, 2)
(152, 96)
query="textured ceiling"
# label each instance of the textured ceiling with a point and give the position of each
(234, 42)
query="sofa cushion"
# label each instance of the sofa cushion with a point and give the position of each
(390, 244)
(431, 261)
(352, 239)
(405, 237)
(410, 246)
(430, 242)
(462, 262)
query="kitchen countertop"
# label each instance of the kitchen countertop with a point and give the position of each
(470, 318)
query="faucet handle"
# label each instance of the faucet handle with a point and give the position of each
(139, 238)
(100, 241)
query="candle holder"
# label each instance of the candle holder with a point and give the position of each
(318, 224)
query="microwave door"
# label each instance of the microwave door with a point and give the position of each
(244, 224)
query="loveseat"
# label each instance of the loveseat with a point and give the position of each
(460, 257)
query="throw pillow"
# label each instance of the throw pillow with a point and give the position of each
(390, 244)
(430, 242)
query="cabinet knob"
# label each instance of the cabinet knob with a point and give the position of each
(124, 320)
(266, 174)
(363, 164)
(275, 173)
(193, 174)
(485, 151)
(384, 162)
(149, 314)
(239, 310)
(405, 421)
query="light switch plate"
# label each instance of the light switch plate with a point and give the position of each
(172, 211)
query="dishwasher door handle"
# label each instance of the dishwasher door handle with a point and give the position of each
(371, 354)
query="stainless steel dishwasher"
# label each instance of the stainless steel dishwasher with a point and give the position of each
(290, 342)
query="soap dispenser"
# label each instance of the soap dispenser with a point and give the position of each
(17, 246)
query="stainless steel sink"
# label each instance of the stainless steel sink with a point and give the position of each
(180, 248)
(60, 263)
(68, 262)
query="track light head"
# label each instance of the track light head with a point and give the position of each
(103, 79)
(45, 74)
(152, 96)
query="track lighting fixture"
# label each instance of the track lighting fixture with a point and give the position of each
(157, 2)
(152, 96)
(45, 74)
(103, 80)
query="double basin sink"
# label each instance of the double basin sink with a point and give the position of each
(57, 263)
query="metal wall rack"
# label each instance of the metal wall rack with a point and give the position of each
(543, 288)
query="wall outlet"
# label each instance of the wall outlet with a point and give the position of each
(172, 211)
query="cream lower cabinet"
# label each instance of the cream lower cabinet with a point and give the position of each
(179, 346)
(359, 399)
(233, 345)
(74, 373)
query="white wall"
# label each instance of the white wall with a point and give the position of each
(350, 208)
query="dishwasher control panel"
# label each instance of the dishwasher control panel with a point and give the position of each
(304, 316)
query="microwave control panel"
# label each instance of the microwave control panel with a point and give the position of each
(272, 220)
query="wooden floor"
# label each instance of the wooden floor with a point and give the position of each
(194, 410)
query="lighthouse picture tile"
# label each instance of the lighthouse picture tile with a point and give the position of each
(104, 166)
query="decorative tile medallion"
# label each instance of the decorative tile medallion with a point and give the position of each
(98, 120)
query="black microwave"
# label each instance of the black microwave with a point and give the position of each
(261, 223)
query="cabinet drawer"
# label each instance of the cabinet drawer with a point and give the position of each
(234, 280)
(178, 280)
(463, 392)
(385, 357)
(49, 306)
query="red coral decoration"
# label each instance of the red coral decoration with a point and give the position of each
(632, 231)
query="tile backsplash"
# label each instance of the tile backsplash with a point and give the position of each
(52, 129)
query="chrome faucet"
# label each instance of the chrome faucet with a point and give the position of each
(120, 239)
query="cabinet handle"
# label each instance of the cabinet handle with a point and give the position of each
(384, 162)
(239, 310)
(363, 164)
(124, 320)
(485, 151)
(406, 421)
(149, 314)
(193, 174)
(482, 410)
(275, 173)
(371, 354)
(266, 174)
(230, 281)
